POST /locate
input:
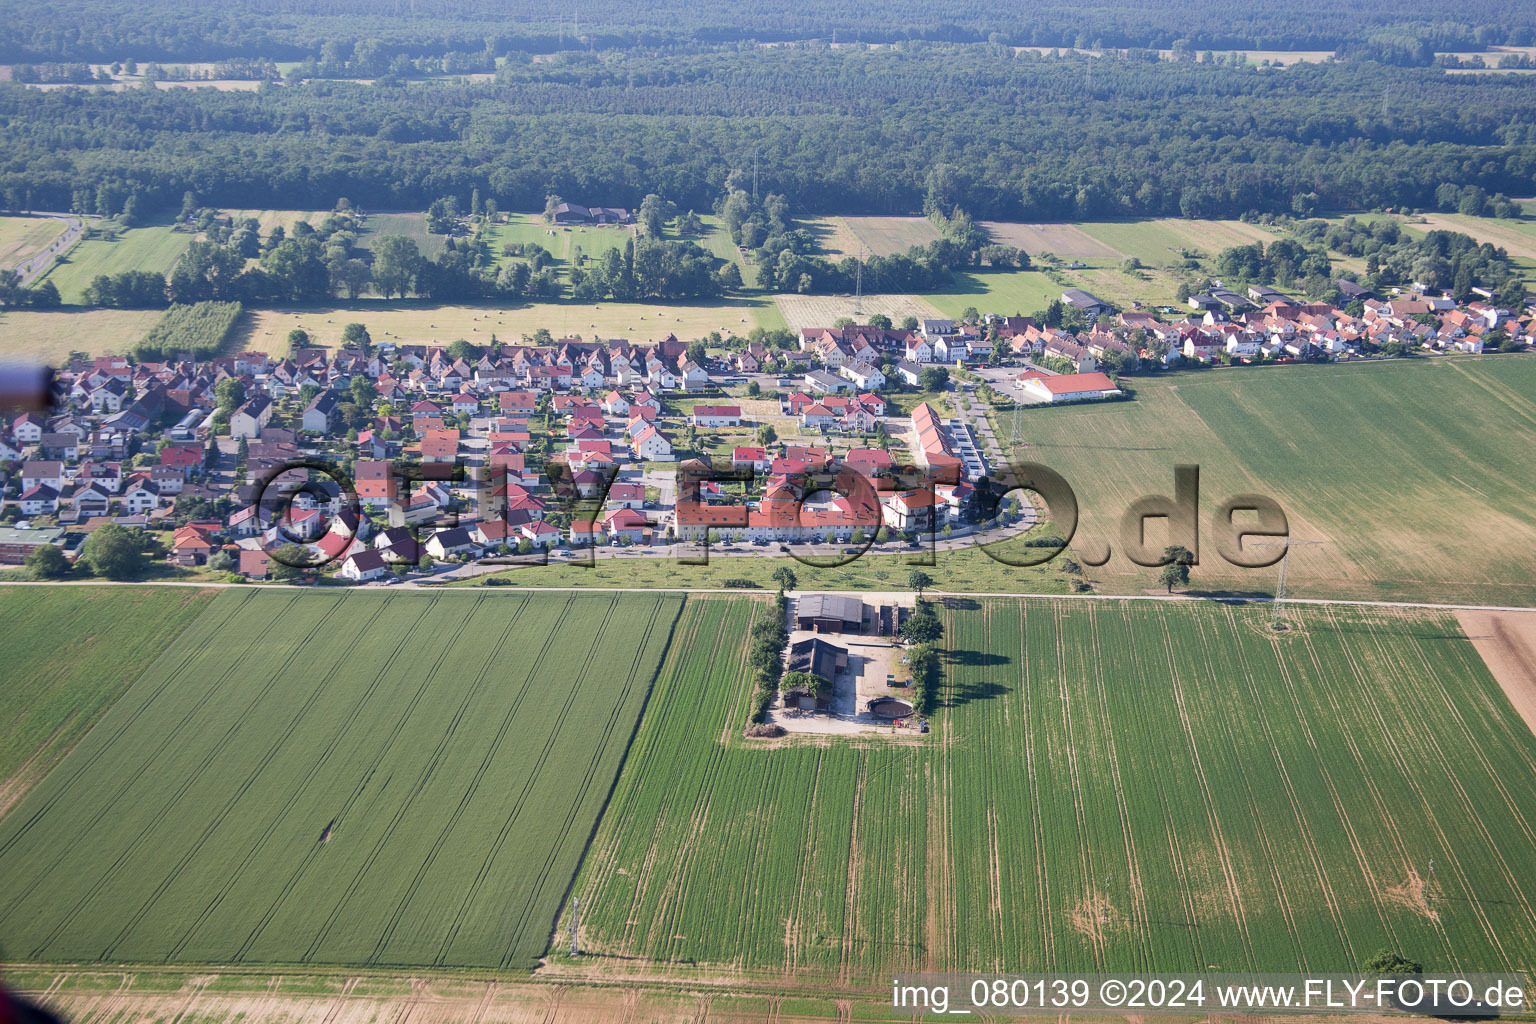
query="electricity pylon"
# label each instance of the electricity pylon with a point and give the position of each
(1279, 620)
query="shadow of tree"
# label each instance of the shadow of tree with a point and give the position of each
(967, 692)
(978, 658)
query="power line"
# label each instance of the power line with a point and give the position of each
(1285, 558)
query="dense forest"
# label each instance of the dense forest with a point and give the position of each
(106, 30)
(919, 127)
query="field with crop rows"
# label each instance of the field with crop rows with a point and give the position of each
(154, 248)
(1419, 475)
(800, 856)
(1109, 786)
(1146, 785)
(50, 701)
(356, 778)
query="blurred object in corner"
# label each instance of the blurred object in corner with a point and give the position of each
(16, 1010)
(25, 387)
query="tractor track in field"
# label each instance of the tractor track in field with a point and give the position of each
(551, 736)
(1340, 808)
(1432, 745)
(357, 792)
(1223, 853)
(1272, 860)
(1330, 898)
(534, 665)
(668, 900)
(1380, 803)
(1175, 851)
(1399, 762)
(470, 693)
(1474, 747)
(233, 876)
(855, 871)
(92, 757)
(811, 841)
(1137, 910)
(645, 872)
(192, 777)
(1091, 908)
(523, 795)
(339, 1001)
(401, 810)
(1036, 822)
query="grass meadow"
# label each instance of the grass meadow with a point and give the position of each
(153, 247)
(365, 778)
(1419, 475)
(1109, 786)
(21, 238)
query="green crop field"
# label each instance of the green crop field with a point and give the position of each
(154, 248)
(1113, 786)
(1419, 475)
(363, 778)
(51, 699)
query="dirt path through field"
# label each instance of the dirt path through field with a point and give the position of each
(1506, 641)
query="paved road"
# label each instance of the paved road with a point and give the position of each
(34, 268)
(725, 590)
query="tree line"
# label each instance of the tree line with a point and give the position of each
(845, 131)
(102, 30)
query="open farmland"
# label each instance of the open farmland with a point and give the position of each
(51, 701)
(357, 778)
(50, 335)
(1068, 241)
(21, 238)
(415, 323)
(1420, 475)
(1110, 786)
(1159, 242)
(154, 248)
(873, 236)
(820, 310)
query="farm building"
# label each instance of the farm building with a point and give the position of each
(1085, 302)
(829, 613)
(818, 657)
(571, 213)
(1072, 387)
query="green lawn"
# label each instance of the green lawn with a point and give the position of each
(411, 225)
(153, 248)
(1419, 475)
(54, 693)
(1107, 787)
(967, 570)
(1009, 292)
(357, 778)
